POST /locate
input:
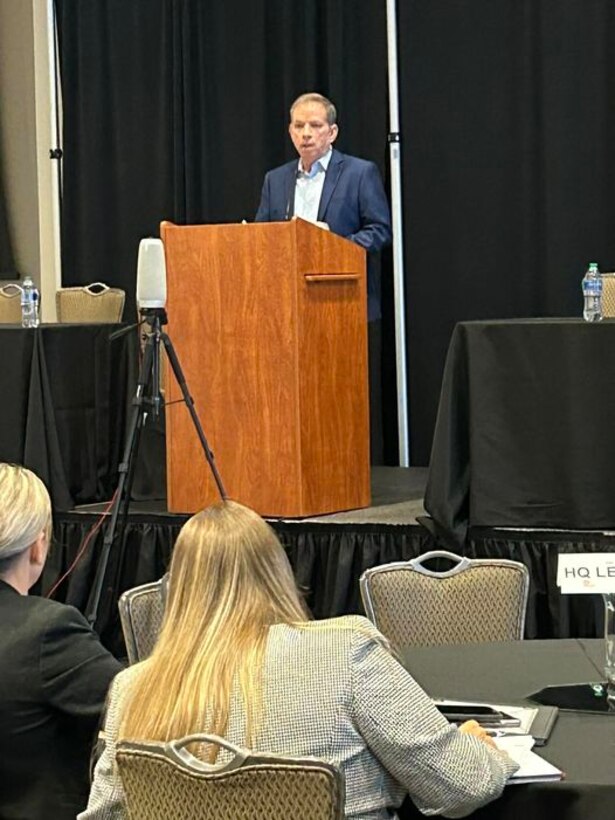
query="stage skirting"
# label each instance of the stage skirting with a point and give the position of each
(328, 559)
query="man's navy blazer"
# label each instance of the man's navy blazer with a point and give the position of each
(353, 204)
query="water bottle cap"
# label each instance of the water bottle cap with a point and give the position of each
(593, 264)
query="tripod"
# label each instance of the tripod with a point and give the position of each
(149, 377)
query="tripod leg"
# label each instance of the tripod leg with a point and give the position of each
(122, 494)
(189, 401)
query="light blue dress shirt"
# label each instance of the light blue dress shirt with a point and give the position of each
(308, 188)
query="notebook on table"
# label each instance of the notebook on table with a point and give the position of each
(532, 767)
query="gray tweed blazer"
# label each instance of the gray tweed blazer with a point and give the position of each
(333, 690)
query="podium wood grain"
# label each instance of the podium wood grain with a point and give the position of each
(269, 323)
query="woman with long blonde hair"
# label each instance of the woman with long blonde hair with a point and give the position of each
(230, 581)
(238, 657)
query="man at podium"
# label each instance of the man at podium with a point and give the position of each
(346, 193)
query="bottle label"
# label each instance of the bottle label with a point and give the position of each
(592, 287)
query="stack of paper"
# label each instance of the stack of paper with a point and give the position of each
(532, 767)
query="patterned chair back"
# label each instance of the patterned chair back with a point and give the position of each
(10, 305)
(141, 612)
(608, 295)
(474, 601)
(91, 304)
(164, 781)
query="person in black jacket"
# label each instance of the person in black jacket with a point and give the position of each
(54, 672)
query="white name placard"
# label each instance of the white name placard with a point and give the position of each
(580, 572)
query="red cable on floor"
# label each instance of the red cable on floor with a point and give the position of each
(83, 546)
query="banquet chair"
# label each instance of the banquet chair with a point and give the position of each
(608, 295)
(472, 601)
(10, 304)
(90, 304)
(141, 612)
(165, 781)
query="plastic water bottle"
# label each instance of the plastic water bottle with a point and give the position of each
(29, 303)
(592, 294)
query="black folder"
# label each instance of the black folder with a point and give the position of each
(543, 724)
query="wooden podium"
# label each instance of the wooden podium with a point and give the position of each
(269, 321)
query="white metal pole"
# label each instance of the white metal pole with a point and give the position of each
(398, 244)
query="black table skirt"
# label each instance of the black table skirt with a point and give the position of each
(65, 393)
(327, 559)
(582, 745)
(524, 433)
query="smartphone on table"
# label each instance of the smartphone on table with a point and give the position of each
(484, 715)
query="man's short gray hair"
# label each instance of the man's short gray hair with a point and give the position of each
(25, 510)
(314, 97)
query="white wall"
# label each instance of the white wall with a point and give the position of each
(25, 140)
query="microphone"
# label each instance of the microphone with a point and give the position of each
(151, 275)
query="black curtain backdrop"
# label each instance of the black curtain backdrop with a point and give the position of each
(508, 111)
(174, 109)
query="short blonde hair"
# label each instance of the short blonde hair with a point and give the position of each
(25, 510)
(314, 97)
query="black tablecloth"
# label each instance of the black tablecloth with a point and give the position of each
(582, 745)
(65, 391)
(524, 434)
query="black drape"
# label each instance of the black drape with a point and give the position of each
(327, 560)
(509, 120)
(118, 164)
(175, 108)
(66, 392)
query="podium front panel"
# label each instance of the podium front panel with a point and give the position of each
(267, 358)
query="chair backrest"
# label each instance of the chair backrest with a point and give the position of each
(92, 303)
(10, 304)
(608, 295)
(473, 601)
(164, 781)
(141, 612)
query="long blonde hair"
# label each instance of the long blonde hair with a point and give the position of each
(230, 580)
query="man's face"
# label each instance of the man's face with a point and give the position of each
(310, 132)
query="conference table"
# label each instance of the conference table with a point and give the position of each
(581, 744)
(524, 436)
(66, 390)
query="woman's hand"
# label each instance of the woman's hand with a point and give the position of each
(471, 727)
